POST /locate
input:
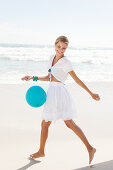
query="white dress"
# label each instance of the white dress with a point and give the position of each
(59, 103)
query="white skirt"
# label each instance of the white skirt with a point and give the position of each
(59, 103)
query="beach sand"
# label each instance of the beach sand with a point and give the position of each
(20, 127)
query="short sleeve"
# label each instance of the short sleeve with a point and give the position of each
(69, 66)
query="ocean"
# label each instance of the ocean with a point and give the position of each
(89, 63)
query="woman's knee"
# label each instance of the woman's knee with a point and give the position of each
(68, 123)
(45, 124)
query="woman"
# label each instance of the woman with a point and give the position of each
(59, 103)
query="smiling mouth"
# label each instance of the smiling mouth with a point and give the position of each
(59, 53)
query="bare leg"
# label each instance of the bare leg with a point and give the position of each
(43, 138)
(70, 124)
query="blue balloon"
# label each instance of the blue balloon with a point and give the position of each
(36, 96)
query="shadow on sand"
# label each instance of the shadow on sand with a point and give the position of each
(32, 162)
(108, 165)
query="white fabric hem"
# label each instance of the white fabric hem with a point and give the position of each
(60, 118)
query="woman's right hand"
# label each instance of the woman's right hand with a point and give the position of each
(27, 78)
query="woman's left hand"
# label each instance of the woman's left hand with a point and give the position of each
(95, 96)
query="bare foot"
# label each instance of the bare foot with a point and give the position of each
(37, 155)
(91, 154)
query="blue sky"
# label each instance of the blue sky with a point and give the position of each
(84, 22)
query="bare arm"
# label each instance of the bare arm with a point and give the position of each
(43, 78)
(79, 82)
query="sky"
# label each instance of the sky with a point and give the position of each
(84, 22)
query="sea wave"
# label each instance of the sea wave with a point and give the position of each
(90, 63)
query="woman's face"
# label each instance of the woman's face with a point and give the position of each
(60, 48)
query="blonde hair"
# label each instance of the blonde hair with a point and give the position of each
(63, 39)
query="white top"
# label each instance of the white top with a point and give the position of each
(60, 69)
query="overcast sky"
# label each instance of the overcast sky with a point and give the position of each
(84, 22)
